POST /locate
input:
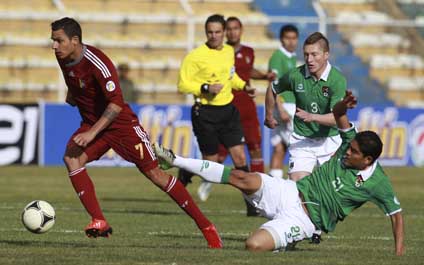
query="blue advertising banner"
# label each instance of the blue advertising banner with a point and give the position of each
(401, 130)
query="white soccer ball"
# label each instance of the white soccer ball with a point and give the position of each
(38, 217)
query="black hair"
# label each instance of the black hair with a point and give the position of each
(235, 19)
(316, 37)
(216, 18)
(69, 25)
(369, 144)
(288, 28)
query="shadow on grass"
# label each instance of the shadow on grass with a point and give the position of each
(145, 212)
(53, 244)
(33, 243)
(117, 199)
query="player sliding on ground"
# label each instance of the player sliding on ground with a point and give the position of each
(349, 179)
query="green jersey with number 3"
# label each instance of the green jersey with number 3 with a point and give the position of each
(313, 96)
(332, 191)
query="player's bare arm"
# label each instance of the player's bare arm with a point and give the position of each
(397, 227)
(250, 90)
(215, 88)
(258, 75)
(284, 115)
(110, 113)
(270, 121)
(323, 119)
(340, 110)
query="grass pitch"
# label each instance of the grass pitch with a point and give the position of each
(149, 228)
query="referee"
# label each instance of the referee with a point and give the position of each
(208, 73)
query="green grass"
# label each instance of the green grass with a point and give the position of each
(150, 229)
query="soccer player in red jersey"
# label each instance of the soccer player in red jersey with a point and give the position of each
(244, 60)
(108, 122)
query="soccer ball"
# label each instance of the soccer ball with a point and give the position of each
(38, 217)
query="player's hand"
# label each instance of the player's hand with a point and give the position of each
(250, 91)
(270, 122)
(284, 116)
(83, 139)
(304, 115)
(350, 100)
(215, 88)
(270, 76)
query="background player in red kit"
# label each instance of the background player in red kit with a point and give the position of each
(108, 122)
(244, 60)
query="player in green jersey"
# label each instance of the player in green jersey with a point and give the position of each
(317, 87)
(280, 63)
(347, 181)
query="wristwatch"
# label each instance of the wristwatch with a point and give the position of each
(204, 88)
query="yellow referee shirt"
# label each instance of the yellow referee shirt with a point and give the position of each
(210, 66)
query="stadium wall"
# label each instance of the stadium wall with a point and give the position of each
(37, 134)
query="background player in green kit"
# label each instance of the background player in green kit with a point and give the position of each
(281, 62)
(348, 180)
(317, 87)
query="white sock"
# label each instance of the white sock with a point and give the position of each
(276, 173)
(208, 170)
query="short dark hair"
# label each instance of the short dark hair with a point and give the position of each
(288, 28)
(369, 144)
(216, 18)
(318, 37)
(235, 19)
(69, 25)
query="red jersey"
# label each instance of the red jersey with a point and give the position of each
(93, 83)
(244, 58)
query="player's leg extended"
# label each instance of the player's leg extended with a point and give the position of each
(211, 171)
(175, 189)
(133, 145)
(75, 159)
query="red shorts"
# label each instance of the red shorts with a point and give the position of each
(249, 120)
(131, 143)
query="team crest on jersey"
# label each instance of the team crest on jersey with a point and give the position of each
(300, 88)
(232, 71)
(239, 55)
(81, 83)
(247, 59)
(359, 182)
(325, 91)
(71, 74)
(110, 86)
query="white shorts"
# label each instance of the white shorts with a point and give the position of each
(306, 153)
(281, 133)
(278, 200)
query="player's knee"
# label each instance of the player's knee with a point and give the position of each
(253, 245)
(158, 177)
(71, 163)
(238, 175)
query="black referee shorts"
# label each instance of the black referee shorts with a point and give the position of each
(214, 125)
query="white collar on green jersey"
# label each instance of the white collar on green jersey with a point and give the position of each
(367, 173)
(324, 75)
(286, 52)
